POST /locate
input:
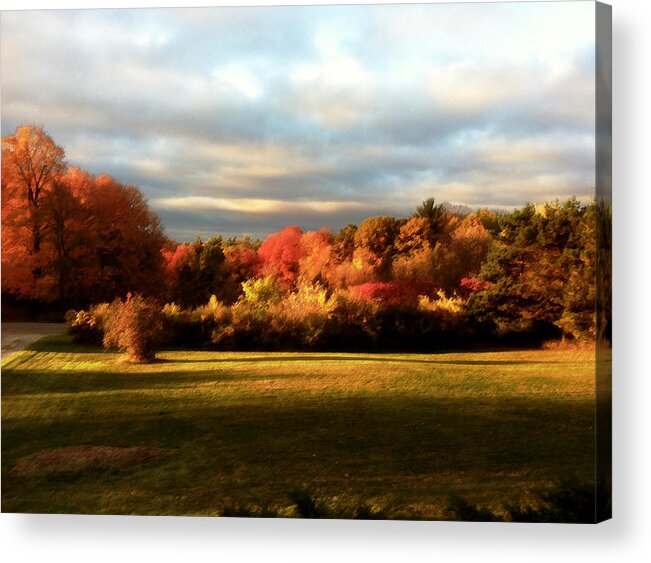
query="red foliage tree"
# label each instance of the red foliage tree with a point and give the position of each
(178, 263)
(392, 293)
(280, 255)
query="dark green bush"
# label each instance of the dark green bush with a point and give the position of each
(188, 328)
(351, 326)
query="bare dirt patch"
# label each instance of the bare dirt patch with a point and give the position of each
(73, 459)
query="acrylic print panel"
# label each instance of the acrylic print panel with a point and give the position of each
(311, 262)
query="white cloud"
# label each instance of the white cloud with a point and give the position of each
(239, 78)
(151, 38)
(256, 206)
(338, 91)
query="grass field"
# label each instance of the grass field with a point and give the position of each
(398, 432)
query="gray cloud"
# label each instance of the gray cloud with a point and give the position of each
(366, 109)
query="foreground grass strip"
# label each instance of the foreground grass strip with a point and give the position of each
(398, 433)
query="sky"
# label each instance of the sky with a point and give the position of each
(241, 121)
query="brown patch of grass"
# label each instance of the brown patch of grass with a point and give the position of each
(72, 459)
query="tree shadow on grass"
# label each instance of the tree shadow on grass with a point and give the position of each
(377, 444)
(316, 356)
(63, 343)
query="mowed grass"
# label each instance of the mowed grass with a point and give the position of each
(398, 432)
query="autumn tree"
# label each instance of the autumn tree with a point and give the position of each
(415, 255)
(280, 254)
(65, 238)
(70, 238)
(31, 160)
(195, 272)
(540, 271)
(490, 220)
(469, 246)
(317, 246)
(414, 235)
(241, 262)
(67, 253)
(341, 272)
(126, 238)
(343, 244)
(579, 261)
(63, 251)
(374, 244)
(178, 267)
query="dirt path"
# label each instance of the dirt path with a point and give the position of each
(17, 336)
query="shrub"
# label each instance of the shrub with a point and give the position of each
(298, 319)
(393, 293)
(449, 305)
(309, 318)
(134, 326)
(472, 284)
(83, 327)
(194, 328)
(87, 327)
(351, 325)
(244, 327)
(260, 291)
(264, 318)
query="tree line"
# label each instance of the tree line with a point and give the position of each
(71, 240)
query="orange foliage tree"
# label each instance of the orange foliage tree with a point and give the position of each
(70, 238)
(374, 245)
(316, 262)
(126, 238)
(30, 162)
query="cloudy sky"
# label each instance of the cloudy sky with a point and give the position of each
(244, 120)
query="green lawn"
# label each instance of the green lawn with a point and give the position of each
(399, 432)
